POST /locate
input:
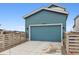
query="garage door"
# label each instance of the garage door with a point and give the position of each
(46, 33)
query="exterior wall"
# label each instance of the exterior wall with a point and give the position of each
(46, 17)
(76, 23)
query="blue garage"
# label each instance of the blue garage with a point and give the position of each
(46, 32)
(46, 24)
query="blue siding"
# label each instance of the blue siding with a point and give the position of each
(46, 33)
(47, 18)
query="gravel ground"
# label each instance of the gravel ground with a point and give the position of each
(32, 48)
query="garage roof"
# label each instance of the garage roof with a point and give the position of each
(47, 9)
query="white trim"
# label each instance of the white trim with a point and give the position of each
(45, 25)
(65, 12)
(62, 35)
(35, 11)
(59, 11)
(29, 33)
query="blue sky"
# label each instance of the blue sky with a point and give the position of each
(11, 15)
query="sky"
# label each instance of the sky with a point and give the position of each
(11, 14)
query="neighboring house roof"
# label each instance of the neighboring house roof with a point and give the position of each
(75, 20)
(47, 9)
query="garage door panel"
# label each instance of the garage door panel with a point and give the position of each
(46, 33)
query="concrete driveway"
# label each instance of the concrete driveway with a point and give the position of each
(32, 48)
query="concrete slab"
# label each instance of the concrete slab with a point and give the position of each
(32, 48)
